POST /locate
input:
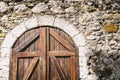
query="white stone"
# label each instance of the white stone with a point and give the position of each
(40, 7)
(20, 7)
(1, 78)
(46, 20)
(70, 9)
(19, 30)
(4, 18)
(70, 29)
(5, 52)
(3, 30)
(27, 0)
(82, 61)
(92, 77)
(112, 42)
(85, 18)
(73, 0)
(89, 3)
(60, 22)
(82, 51)
(91, 37)
(31, 23)
(5, 68)
(4, 61)
(9, 40)
(112, 52)
(100, 2)
(3, 7)
(56, 10)
(95, 28)
(66, 26)
(79, 40)
(83, 72)
(4, 74)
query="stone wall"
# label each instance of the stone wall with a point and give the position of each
(97, 20)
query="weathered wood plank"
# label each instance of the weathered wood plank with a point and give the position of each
(57, 43)
(30, 68)
(26, 42)
(58, 69)
(61, 53)
(43, 47)
(61, 40)
(14, 71)
(48, 48)
(28, 54)
(73, 68)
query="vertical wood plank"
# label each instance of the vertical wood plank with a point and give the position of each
(31, 48)
(52, 43)
(14, 72)
(62, 48)
(73, 68)
(56, 42)
(48, 49)
(43, 46)
(30, 68)
(37, 41)
(52, 48)
(24, 63)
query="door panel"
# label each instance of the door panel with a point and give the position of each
(60, 68)
(44, 53)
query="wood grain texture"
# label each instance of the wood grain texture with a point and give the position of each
(44, 53)
(30, 69)
(43, 47)
(61, 40)
(26, 42)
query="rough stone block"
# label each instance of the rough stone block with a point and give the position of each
(31, 23)
(9, 40)
(70, 29)
(82, 51)
(5, 52)
(6, 68)
(40, 7)
(111, 16)
(4, 75)
(46, 20)
(4, 62)
(1, 78)
(59, 23)
(79, 40)
(111, 28)
(82, 61)
(3, 7)
(84, 72)
(66, 26)
(19, 30)
(92, 77)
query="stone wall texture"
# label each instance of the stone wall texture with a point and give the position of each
(97, 20)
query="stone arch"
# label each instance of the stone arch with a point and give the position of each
(46, 20)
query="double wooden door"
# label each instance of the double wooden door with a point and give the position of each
(44, 54)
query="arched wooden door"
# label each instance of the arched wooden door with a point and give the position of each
(44, 53)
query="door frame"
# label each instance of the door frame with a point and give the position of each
(49, 55)
(33, 22)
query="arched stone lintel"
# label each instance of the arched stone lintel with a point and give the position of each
(43, 21)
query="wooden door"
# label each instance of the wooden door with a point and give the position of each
(44, 53)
